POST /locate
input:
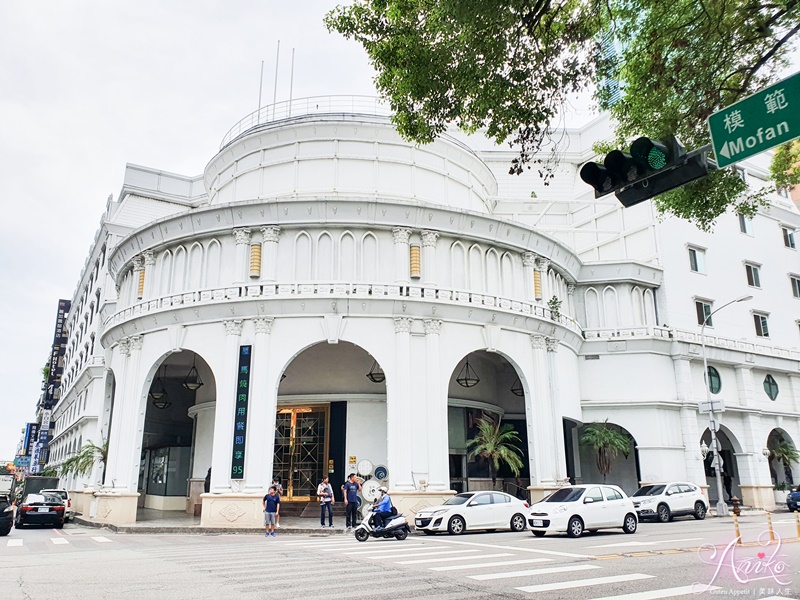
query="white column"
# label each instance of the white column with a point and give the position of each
(691, 425)
(543, 265)
(119, 428)
(399, 433)
(226, 403)
(571, 300)
(149, 274)
(436, 406)
(528, 266)
(261, 414)
(203, 416)
(401, 255)
(138, 268)
(125, 473)
(269, 253)
(794, 391)
(560, 453)
(540, 417)
(744, 385)
(242, 265)
(429, 258)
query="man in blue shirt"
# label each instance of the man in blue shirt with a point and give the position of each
(272, 505)
(383, 509)
(351, 488)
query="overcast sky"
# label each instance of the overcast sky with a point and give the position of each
(87, 86)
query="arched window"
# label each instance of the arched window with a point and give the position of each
(213, 264)
(458, 266)
(369, 258)
(714, 381)
(771, 387)
(324, 257)
(347, 257)
(592, 302)
(302, 257)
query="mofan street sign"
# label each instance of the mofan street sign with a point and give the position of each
(757, 123)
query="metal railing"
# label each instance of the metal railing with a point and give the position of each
(297, 107)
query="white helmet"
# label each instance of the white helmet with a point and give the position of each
(383, 490)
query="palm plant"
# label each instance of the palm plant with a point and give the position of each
(83, 461)
(784, 452)
(493, 442)
(606, 443)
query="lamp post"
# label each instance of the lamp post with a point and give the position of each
(722, 508)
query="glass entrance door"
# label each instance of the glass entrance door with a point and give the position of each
(301, 450)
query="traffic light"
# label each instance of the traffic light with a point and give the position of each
(649, 169)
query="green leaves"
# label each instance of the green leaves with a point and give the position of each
(82, 462)
(607, 444)
(508, 67)
(493, 442)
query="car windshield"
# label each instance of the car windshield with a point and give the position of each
(53, 499)
(60, 493)
(459, 499)
(650, 490)
(565, 495)
(32, 498)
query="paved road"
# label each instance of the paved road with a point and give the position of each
(660, 561)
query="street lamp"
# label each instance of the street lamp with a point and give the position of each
(722, 508)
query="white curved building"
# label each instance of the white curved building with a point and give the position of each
(328, 293)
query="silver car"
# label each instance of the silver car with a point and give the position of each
(69, 512)
(664, 501)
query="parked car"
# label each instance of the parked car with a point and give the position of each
(40, 509)
(64, 495)
(473, 510)
(6, 515)
(578, 508)
(664, 501)
(793, 499)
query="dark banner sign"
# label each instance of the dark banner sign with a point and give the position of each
(31, 435)
(57, 355)
(240, 420)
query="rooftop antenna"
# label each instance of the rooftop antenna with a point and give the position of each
(275, 90)
(291, 84)
(260, 86)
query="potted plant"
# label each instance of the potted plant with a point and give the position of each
(607, 444)
(781, 489)
(554, 304)
(784, 453)
(493, 442)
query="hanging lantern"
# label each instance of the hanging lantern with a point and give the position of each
(467, 377)
(516, 388)
(192, 381)
(376, 374)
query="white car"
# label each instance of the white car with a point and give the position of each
(473, 510)
(64, 495)
(663, 501)
(578, 508)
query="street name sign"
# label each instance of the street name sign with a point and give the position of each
(716, 406)
(757, 123)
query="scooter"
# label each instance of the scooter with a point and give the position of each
(396, 527)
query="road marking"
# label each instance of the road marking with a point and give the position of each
(12, 543)
(524, 561)
(545, 571)
(454, 558)
(517, 549)
(330, 545)
(405, 548)
(564, 585)
(101, 539)
(437, 553)
(656, 594)
(59, 540)
(644, 543)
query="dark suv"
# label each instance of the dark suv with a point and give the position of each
(6, 515)
(793, 499)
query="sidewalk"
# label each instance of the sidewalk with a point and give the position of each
(156, 521)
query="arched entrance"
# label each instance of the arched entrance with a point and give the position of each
(624, 468)
(783, 459)
(728, 446)
(178, 434)
(331, 419)
(485, 386)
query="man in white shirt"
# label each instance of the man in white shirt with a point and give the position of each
(326, 501)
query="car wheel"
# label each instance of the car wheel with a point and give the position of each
(5, 532)
(362, 535)
(60, 525)
(456, 526)
(575, 527)
(629, 524)
(429, 532)
(699, 511)
(518, 523)
(539, 533)
(664, 513)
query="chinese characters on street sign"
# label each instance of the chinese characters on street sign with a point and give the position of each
(757, 123)
(240, 416)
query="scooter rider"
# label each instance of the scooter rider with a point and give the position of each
(383, 509)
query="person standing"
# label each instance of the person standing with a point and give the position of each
(728, 483)
(272, 506)
(351, 488)
(326, 501)
(383, 508)
(276, 483)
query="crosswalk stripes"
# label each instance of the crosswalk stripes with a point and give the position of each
(565, 585)
(524, 561)
(59, 540)
(12, 543)
(658, 594)
(426, 561)
(532, 572)
(436, 553)
(101, 539)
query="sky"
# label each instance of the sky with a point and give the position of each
(87, 86)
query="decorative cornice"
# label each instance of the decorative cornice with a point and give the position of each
(402, 325)
(135, 342)
(538, 342)
(401, 235)
(124, 347)
(552, 344)
(429, 239)
(542, 264)
(233, 326)
(242, 236)
(149, 258)
(263, 325)
(270, 233)
(570, 288)
(432, 326)
(528, 259)
(138, 262)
